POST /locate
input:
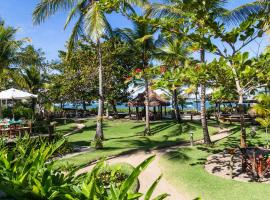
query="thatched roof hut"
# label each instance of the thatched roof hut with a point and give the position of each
(154, 100)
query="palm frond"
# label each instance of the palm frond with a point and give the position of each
(96, 23)
(74, 11)
(77, 31)
(47, 8)
(242, 12)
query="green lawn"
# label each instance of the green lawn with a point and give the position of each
(187, 172)
(63, 129)
(124, 135)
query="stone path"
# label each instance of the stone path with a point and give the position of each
(153, 171)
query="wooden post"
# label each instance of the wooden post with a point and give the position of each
(161, 117)
(129, 112)
(165, 111)
(155, 113)
(191, 139)
(231, 166)
(137, 113)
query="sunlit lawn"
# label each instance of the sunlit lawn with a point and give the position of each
(63, 129)
(124, 135)
(187, 172)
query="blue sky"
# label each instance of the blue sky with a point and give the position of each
(50, 35)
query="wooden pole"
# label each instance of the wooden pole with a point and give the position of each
(129, 112)
(161, 117)
(155, 113)
(137, 113)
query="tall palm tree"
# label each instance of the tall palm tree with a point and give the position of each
(141, 39)
(92, 22)
(173, 53)
(200, 14)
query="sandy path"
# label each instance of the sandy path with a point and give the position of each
(153, 171)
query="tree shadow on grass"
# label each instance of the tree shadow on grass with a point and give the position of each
(163, 126)
(80, 143)
(147, 143)
(178, 155)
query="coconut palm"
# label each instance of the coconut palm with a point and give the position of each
(141, 39)
(28, 71)
(173, 53)
(8, 48)
(92, 22)
(200, 15)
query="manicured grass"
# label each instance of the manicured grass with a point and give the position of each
(187, 172)
(66, 128)
(124, 135)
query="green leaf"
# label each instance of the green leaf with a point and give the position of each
(133, 176)
(151, 189)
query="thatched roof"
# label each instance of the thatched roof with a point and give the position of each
(154, 100)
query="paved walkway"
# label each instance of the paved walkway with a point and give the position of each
(148, 176)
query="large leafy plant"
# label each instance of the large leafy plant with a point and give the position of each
(27, 172)
(262, 109)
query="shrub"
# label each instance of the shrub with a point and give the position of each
(19, 112)
(27, 172)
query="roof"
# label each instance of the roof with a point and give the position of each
(154, 100)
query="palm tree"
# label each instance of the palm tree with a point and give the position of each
(141, 39)
(201, 15)
(173, 53)
(8, 48)
(91, 21)
(28, 71)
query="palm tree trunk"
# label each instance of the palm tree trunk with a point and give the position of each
(115, 112)
(206, 136)
(147, 130)
(176, 107)
(99, 130)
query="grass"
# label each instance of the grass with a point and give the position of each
(63, 129)
(124, 135)
(187, 172)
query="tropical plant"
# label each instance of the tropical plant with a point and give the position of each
(27, 172)
(262, 109)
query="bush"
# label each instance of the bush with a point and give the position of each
(27, 172)
(116, 174)
(19, 112)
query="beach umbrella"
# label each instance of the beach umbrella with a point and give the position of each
(14, 94)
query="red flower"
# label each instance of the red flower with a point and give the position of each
(138, 70)
(163, 69)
